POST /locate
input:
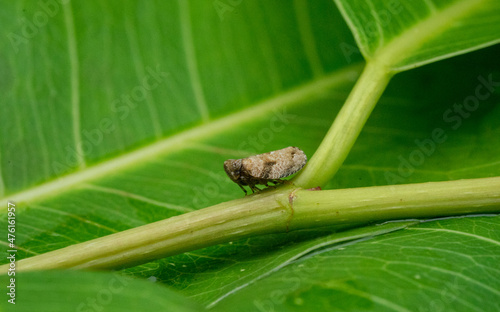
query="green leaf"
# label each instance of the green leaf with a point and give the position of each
(252, 264)
(394, 52)
(224, 79)
(88, 291)
(408, 34)
(447, 265)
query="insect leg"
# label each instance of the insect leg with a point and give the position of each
(277, 181)
(254, 188)
(243, 188)
(273, 185)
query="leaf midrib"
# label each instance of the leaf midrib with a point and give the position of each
(412, 38)
(179, 140)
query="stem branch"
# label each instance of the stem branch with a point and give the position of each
(345, 129)
(271, 212)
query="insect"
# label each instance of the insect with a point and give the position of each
(265, 168)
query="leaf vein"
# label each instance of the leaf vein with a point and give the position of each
(453, 273)
(307, 37)
(74, 82)
(489, 240)
(192, 64)
(74, 216)
(18, 248)
(139, 70)
(138, 197)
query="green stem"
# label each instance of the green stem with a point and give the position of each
(379, 203)
(276, 211)
(248, 216)
(345, 129)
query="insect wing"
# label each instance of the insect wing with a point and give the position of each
(275, 165)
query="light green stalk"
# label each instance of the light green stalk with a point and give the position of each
(277, 211)
(347, 126)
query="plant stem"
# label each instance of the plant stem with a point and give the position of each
(378, 203)
(248, 216)
(274, 211)
(345, 129)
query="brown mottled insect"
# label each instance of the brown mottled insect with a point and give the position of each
(265, 168)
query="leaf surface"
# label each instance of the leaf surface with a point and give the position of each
(120, 118)
(447, 264)
(91, 291)
(406, 34)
